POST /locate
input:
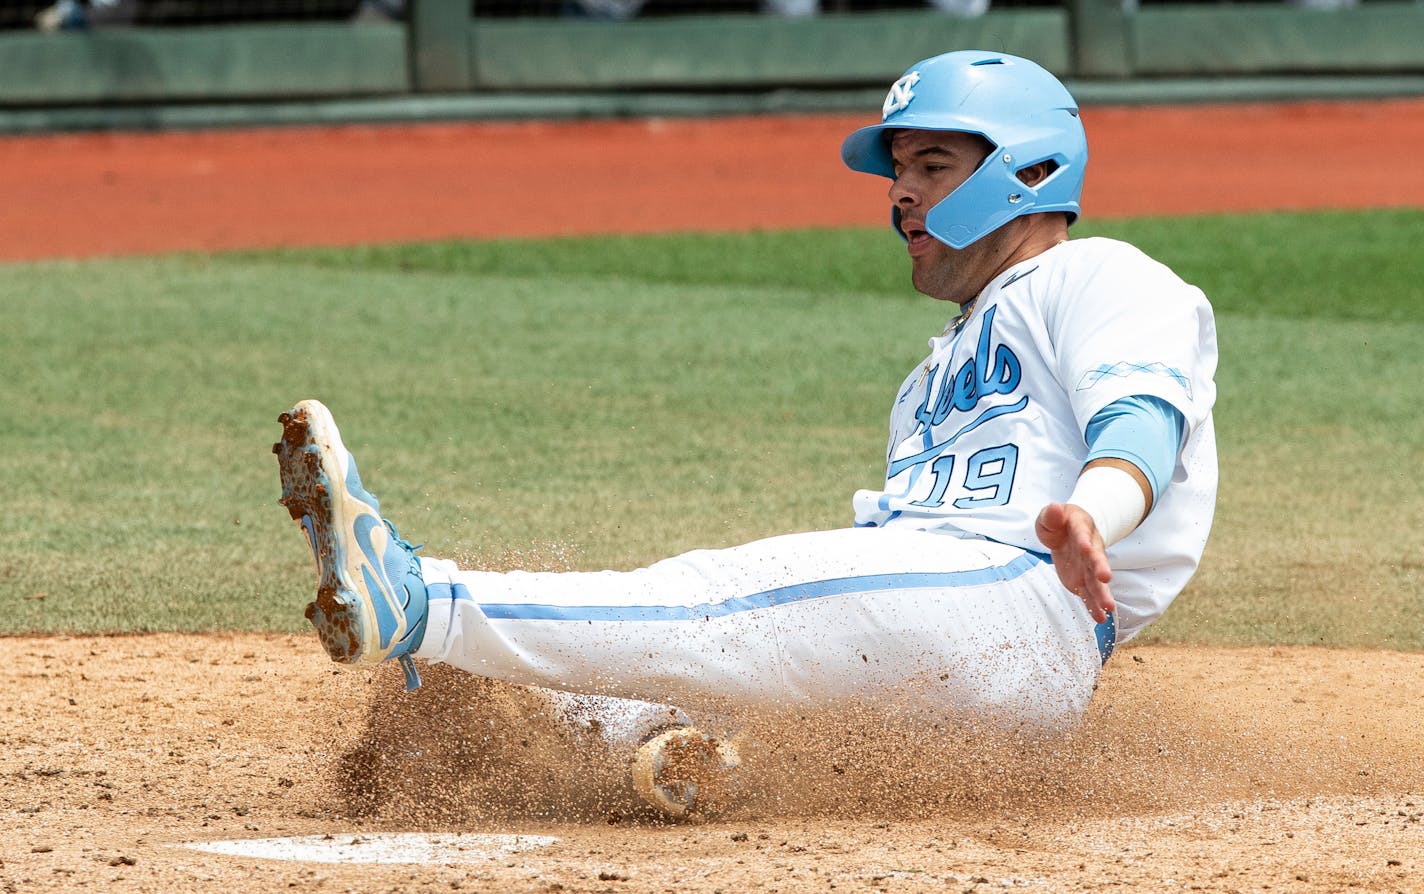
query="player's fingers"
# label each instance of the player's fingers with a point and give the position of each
(1102, 593)
(1100, 600)
(1094, 606)
(1050, 526)
(1102, 603)
(1102, 571)
(1084, 570)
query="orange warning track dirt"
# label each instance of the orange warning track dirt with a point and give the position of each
(109, 194)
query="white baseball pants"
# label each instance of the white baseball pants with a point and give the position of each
(915, 620)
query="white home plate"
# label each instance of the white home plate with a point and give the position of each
(374, 848)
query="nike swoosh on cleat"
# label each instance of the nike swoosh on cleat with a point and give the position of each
(382, 592)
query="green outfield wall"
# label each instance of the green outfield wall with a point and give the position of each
(445, 51)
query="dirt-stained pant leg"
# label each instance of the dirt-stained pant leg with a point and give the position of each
(620, 724)
(924, 621)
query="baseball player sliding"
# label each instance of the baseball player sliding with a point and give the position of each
(1050, 481)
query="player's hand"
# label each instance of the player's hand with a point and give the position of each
(1078, 555)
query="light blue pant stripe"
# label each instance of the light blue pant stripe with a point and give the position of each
(518, 611)
(780, 596)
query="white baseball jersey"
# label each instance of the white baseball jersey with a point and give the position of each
(990, 428)
(940, 600)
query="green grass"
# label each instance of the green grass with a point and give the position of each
(1340, 265)
(606, 402)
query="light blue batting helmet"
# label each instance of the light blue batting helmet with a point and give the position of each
(1024, 111)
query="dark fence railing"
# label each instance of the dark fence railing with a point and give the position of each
(120, 52)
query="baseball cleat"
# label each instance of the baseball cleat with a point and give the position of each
(370, 598)
(681, 771)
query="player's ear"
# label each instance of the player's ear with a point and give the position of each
(1037, 173)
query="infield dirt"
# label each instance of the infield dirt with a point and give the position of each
(1202, 769)
(1197, 769)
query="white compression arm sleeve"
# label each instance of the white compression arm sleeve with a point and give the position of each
(1113, 498)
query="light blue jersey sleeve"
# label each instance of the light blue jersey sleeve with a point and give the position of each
(1145, 431)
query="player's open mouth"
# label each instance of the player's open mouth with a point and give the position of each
(917, 240)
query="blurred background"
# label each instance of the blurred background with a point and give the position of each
(89, 63)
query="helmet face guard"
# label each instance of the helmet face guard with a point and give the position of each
(1021, 109)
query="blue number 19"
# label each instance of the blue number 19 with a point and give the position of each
(990, 469)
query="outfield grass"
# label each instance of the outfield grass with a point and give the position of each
(605, 402)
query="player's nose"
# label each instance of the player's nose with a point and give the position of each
(902, 194)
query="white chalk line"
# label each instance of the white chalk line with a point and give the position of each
(430, 849)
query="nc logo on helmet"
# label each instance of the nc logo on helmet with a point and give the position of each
(900, 94)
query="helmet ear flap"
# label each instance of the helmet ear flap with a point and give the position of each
(1048, 184)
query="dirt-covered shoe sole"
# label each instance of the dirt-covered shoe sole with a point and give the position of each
(360, 610)
(684, 773)
(307, 494)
